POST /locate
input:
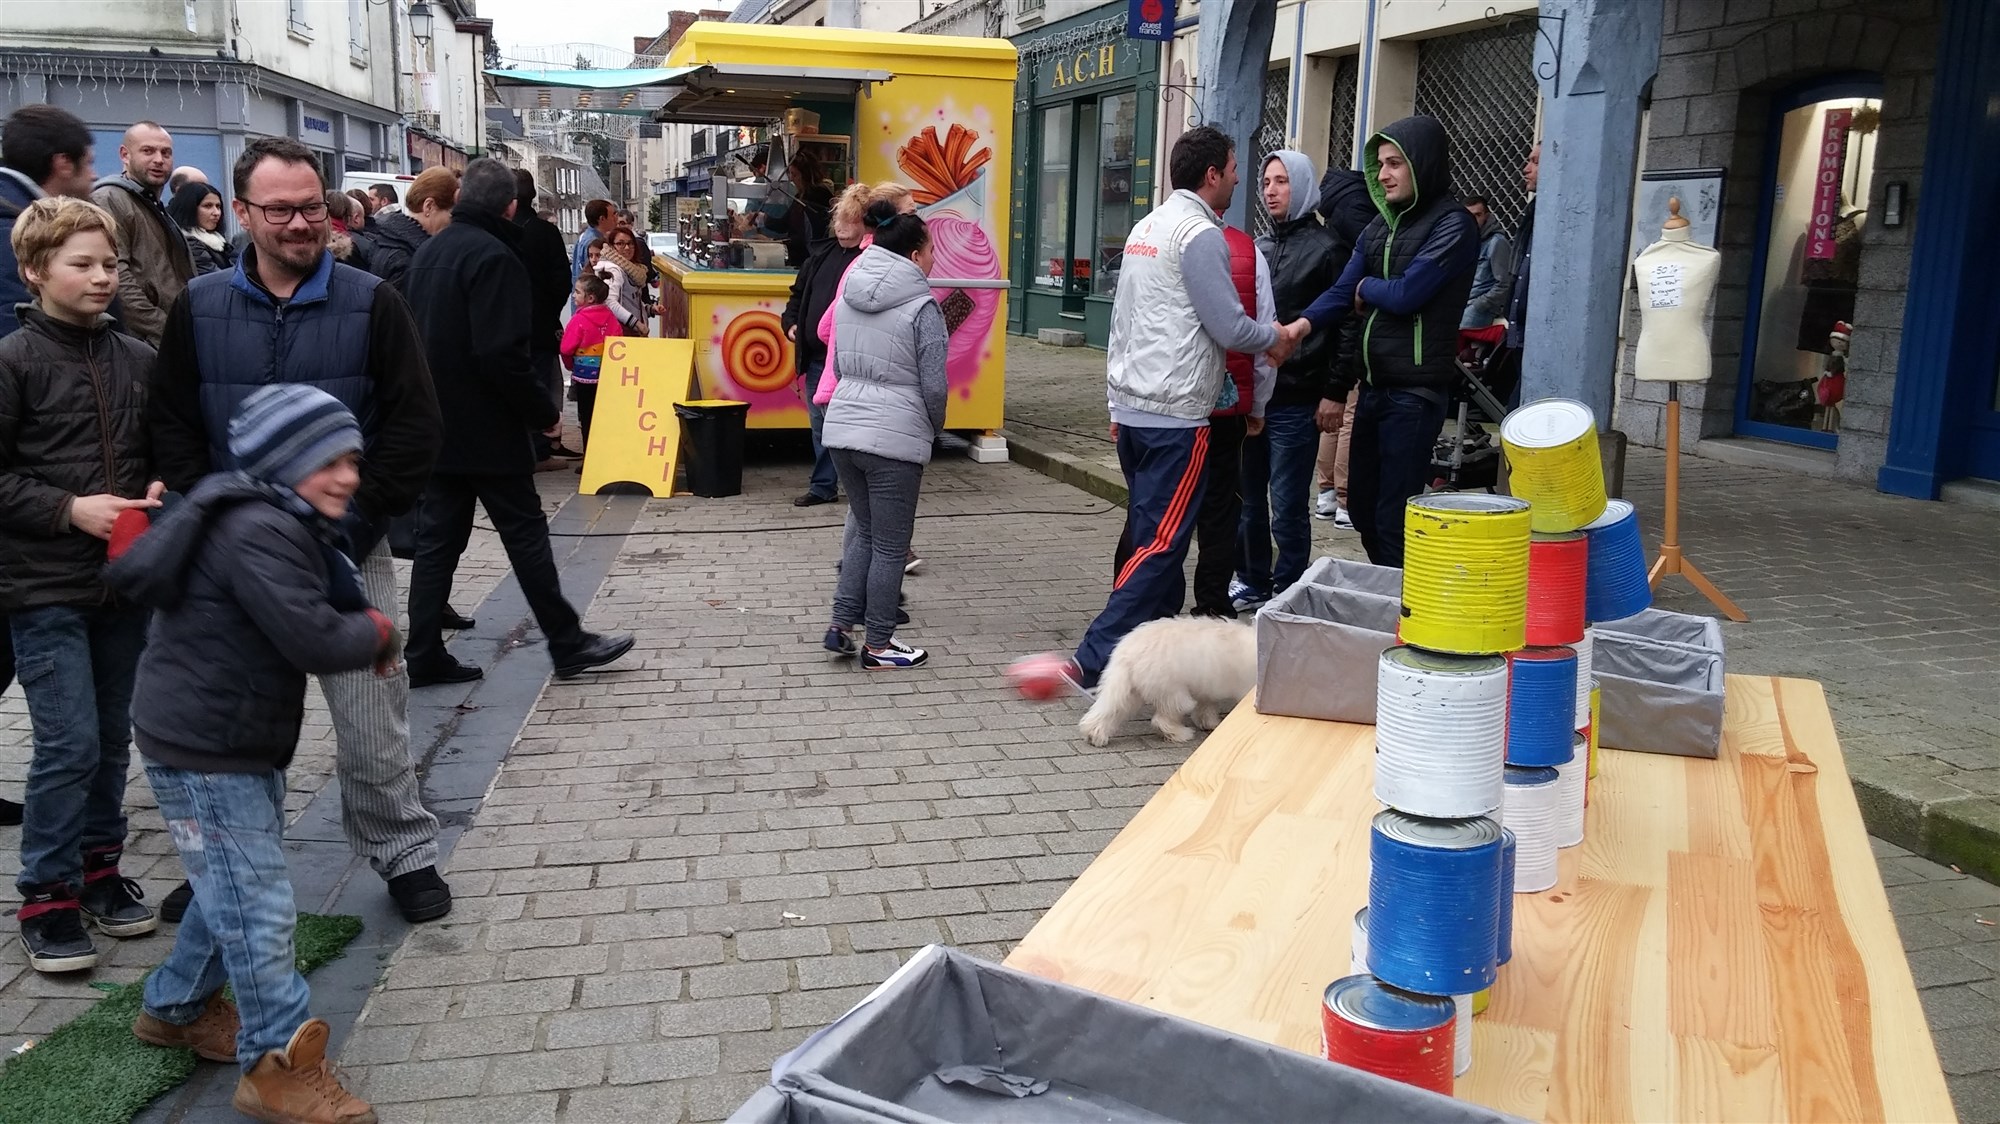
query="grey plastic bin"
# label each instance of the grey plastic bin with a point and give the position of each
(952, 1038)
(1318, 643)
(1661, 681)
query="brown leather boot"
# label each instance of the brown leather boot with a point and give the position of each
(298, 1085)
(211, 1035)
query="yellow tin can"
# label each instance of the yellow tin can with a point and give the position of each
(1465, 573)
(1554, 463)
(1480, 999)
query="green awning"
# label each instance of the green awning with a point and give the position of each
(712, 94)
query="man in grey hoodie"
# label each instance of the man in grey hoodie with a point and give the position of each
(1278, 464)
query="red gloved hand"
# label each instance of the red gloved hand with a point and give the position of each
(125, 530)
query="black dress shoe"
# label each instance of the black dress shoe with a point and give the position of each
(10, 813)
(421, 895)
(449, 671)
(595, 652)
(455, 620)
(811, 500)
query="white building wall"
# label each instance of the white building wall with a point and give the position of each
(314, 41)
(133, 26)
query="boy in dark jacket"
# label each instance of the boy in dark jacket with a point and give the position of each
(74, 455)
(251, 593)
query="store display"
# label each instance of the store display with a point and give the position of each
(1676, 280)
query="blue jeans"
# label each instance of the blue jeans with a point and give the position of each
(1277, 499)
(229, 829)
(76, 668)
(825, 479)
(1165, 475)
(1389, 463)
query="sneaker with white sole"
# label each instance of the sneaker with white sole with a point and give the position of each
(1343, 520)
(1328, 504)
(1243, 598)
(896, 656)
(840, 642)
(912, 563)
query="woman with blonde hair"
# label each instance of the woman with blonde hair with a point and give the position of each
(812, 296)
(904, 202)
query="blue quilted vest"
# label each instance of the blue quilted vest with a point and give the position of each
(244, 339)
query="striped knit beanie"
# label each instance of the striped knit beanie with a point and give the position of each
(286, 432)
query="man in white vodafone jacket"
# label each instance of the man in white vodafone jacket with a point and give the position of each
(1176, 314)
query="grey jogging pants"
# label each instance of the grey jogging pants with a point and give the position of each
(381, 810)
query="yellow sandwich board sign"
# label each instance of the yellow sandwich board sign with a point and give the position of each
(635, 436)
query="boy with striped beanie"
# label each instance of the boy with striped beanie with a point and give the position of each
(250, 593)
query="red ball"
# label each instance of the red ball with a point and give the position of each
(1039, 678)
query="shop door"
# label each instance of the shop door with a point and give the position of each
(1055, 191)
(1819, 161)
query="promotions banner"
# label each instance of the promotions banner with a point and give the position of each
(1150, 19)
(1829, 172)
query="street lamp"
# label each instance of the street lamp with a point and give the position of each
(420, 23)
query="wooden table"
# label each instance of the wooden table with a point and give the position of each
(1719, 948)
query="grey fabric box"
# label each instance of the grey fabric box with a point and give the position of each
(1318, 642)
(1660, 680)
(951, 1038)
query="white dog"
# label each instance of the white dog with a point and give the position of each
(1182, 667)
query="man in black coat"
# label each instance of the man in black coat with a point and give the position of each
(542, 252)
(474, 305)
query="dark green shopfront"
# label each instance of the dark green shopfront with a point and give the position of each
(1086, 109)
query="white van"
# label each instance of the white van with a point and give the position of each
(400, 184)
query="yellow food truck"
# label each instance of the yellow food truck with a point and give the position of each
(932, 112)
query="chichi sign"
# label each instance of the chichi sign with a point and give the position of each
(635, 436)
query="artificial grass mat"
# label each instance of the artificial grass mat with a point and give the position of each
(91, 1070)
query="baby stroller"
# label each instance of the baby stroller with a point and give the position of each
(1467, 454)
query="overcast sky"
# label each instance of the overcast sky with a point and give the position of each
(535, 29)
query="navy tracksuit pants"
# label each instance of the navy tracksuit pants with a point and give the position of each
(1164, 474)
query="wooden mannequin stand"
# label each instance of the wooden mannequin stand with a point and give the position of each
(1672, 560)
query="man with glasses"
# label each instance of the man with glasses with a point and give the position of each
(289, 313)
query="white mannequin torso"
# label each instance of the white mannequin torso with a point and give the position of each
(1676, 282)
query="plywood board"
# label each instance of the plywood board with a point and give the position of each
(1720, 947)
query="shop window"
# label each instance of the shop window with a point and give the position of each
(1270, 138)
(1052, 197)
(1340, 126)
(1815, 209)
(1118, 140)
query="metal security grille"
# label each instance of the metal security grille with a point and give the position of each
(1270, 138)
(1481, 85)
(1346, 96)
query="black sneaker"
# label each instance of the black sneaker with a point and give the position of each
(52, 931)
(840, 641)
(421, 894)
(813, 499)
(116, 906)
(595, 652)
(10, 814)
(174, 906)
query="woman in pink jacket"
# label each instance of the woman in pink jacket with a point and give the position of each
(881, 193)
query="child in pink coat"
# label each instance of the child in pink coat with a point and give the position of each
(583, 343)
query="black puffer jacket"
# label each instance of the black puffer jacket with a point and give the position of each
(812, 295)
(1425, 251)
(1304, 261)
(1347, 207)
(474, 307)
(241, 616)
(397, 240)
(72, 423)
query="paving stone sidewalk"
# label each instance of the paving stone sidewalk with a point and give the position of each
(1892, 603)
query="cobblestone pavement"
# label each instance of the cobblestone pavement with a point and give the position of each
(1892, 603)
(32, 1004)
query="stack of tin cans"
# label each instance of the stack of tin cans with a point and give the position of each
(1439, 886)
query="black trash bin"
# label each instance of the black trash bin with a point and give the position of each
(712, 445)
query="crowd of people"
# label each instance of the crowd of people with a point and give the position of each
(204, 444)
(1237, 371)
